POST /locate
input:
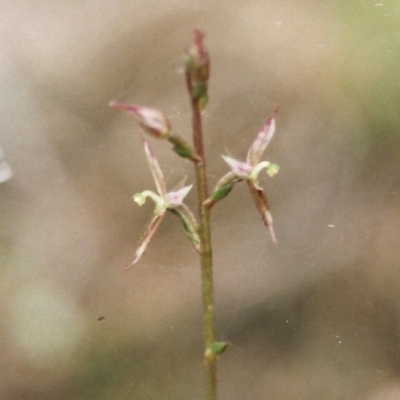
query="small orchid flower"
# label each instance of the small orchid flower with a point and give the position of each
(164, 201)
(249, 170)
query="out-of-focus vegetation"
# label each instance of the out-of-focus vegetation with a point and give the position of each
(316, 317)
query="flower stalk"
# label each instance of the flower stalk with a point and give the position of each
(154, 123)
(197, 74)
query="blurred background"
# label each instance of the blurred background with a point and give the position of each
(316, 317)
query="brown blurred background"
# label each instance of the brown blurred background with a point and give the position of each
(316, 317)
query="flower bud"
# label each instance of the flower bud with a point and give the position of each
(151, 120)
(197, 61)
(198, 69)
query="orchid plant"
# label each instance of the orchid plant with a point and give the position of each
(154, 123)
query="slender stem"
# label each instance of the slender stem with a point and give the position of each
(210, 359)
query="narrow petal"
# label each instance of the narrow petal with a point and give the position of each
(239, 168)
(262, 205)
(150, 231)
(175, 198)
(262, 140)
(155, 169)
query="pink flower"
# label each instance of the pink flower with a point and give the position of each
(249, 170)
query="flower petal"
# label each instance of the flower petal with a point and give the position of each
(150, 231)
(240, 168)
(261, 202)
(261, 141)
(155, 169)
(175, 198)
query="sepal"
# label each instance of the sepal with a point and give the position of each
(261, 202)
(262, 140)
(145, 240)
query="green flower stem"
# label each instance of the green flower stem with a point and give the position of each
(210, 358)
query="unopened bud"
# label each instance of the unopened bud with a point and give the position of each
(151, 120)
(198, 69)
(197, 61)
